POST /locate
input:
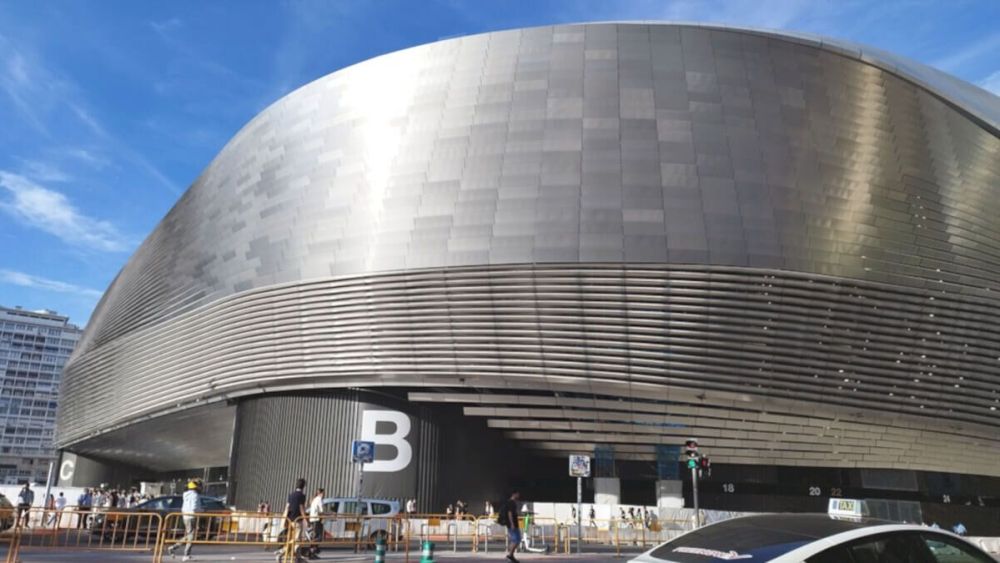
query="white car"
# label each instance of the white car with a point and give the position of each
(373, 528)
(815, 538)
(345, 527)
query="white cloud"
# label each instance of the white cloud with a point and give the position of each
(39, 92)
(43, 171)
(52, 212)
(88, 157)
(769, 14)
(987, 46)
(991, 83)
(37, 282)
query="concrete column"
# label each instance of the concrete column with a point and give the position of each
(607, 490)
(669, 494)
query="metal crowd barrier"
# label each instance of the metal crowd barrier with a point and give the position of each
(250, 529)
(123, 530)
(617, 532)
(104, 530)
(441, 529)
(358, 532)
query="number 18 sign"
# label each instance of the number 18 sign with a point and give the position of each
(579, 466)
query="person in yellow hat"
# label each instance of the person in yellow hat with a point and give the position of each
(190, 507)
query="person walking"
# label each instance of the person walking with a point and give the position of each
(510, 518)
(190, 507)
(24, 501)
(60, 507)
(83, 503)
(264, 507)
(295, 509)
(316, 522)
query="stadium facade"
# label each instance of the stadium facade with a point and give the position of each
(489, 252)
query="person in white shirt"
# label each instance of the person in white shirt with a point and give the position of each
(60, 506)
(315, 522)
(190, 506)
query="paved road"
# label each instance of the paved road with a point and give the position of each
(226, 555)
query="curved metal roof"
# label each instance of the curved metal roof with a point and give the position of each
(978, 103)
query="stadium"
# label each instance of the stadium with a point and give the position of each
(490, 252)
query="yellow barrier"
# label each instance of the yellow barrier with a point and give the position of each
(359, 532)
(618, 532)
(441, 528)
(186, 532)
(38, 528)
(148, 531)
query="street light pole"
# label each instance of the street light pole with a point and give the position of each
(694, 488)
(579, 513)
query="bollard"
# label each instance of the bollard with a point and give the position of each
(380, 550)
(428, 554)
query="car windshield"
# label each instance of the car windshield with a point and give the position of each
(209, 503)
(752, 539)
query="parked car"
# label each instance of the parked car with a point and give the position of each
(6, 513)
(345, 527)
(814, 538)
(374, 528)
(129, 522)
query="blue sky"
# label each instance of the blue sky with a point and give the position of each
(110, 109)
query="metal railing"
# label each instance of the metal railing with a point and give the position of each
(358, 532)
(161, 535)
(188, 532)
(106, 530)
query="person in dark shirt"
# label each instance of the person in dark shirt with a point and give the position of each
(511, 518)
(295, 508)
(295, 511)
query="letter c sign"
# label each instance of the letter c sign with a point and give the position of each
(397, 439)
(66, 470)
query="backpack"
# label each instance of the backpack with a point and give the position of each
(502, 515)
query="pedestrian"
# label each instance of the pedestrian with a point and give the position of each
(316, 522)
(190, 507)
(449, 511)
(60, 507)
(411, 506)
(113, 500)
(295, 509)
(264, 507)
(83, 503)
(510, 518)
(488, 509)
(24, 501)
(98, 501)
(593, 517)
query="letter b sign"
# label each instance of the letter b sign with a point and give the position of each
(396, 439)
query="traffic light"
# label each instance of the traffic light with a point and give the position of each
(706, 466)
(691, 453)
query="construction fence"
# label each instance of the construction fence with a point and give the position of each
(165, 534)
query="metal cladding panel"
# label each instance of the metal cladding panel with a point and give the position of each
(281, 438)
(599, 208)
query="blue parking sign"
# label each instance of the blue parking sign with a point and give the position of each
(363, 452)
